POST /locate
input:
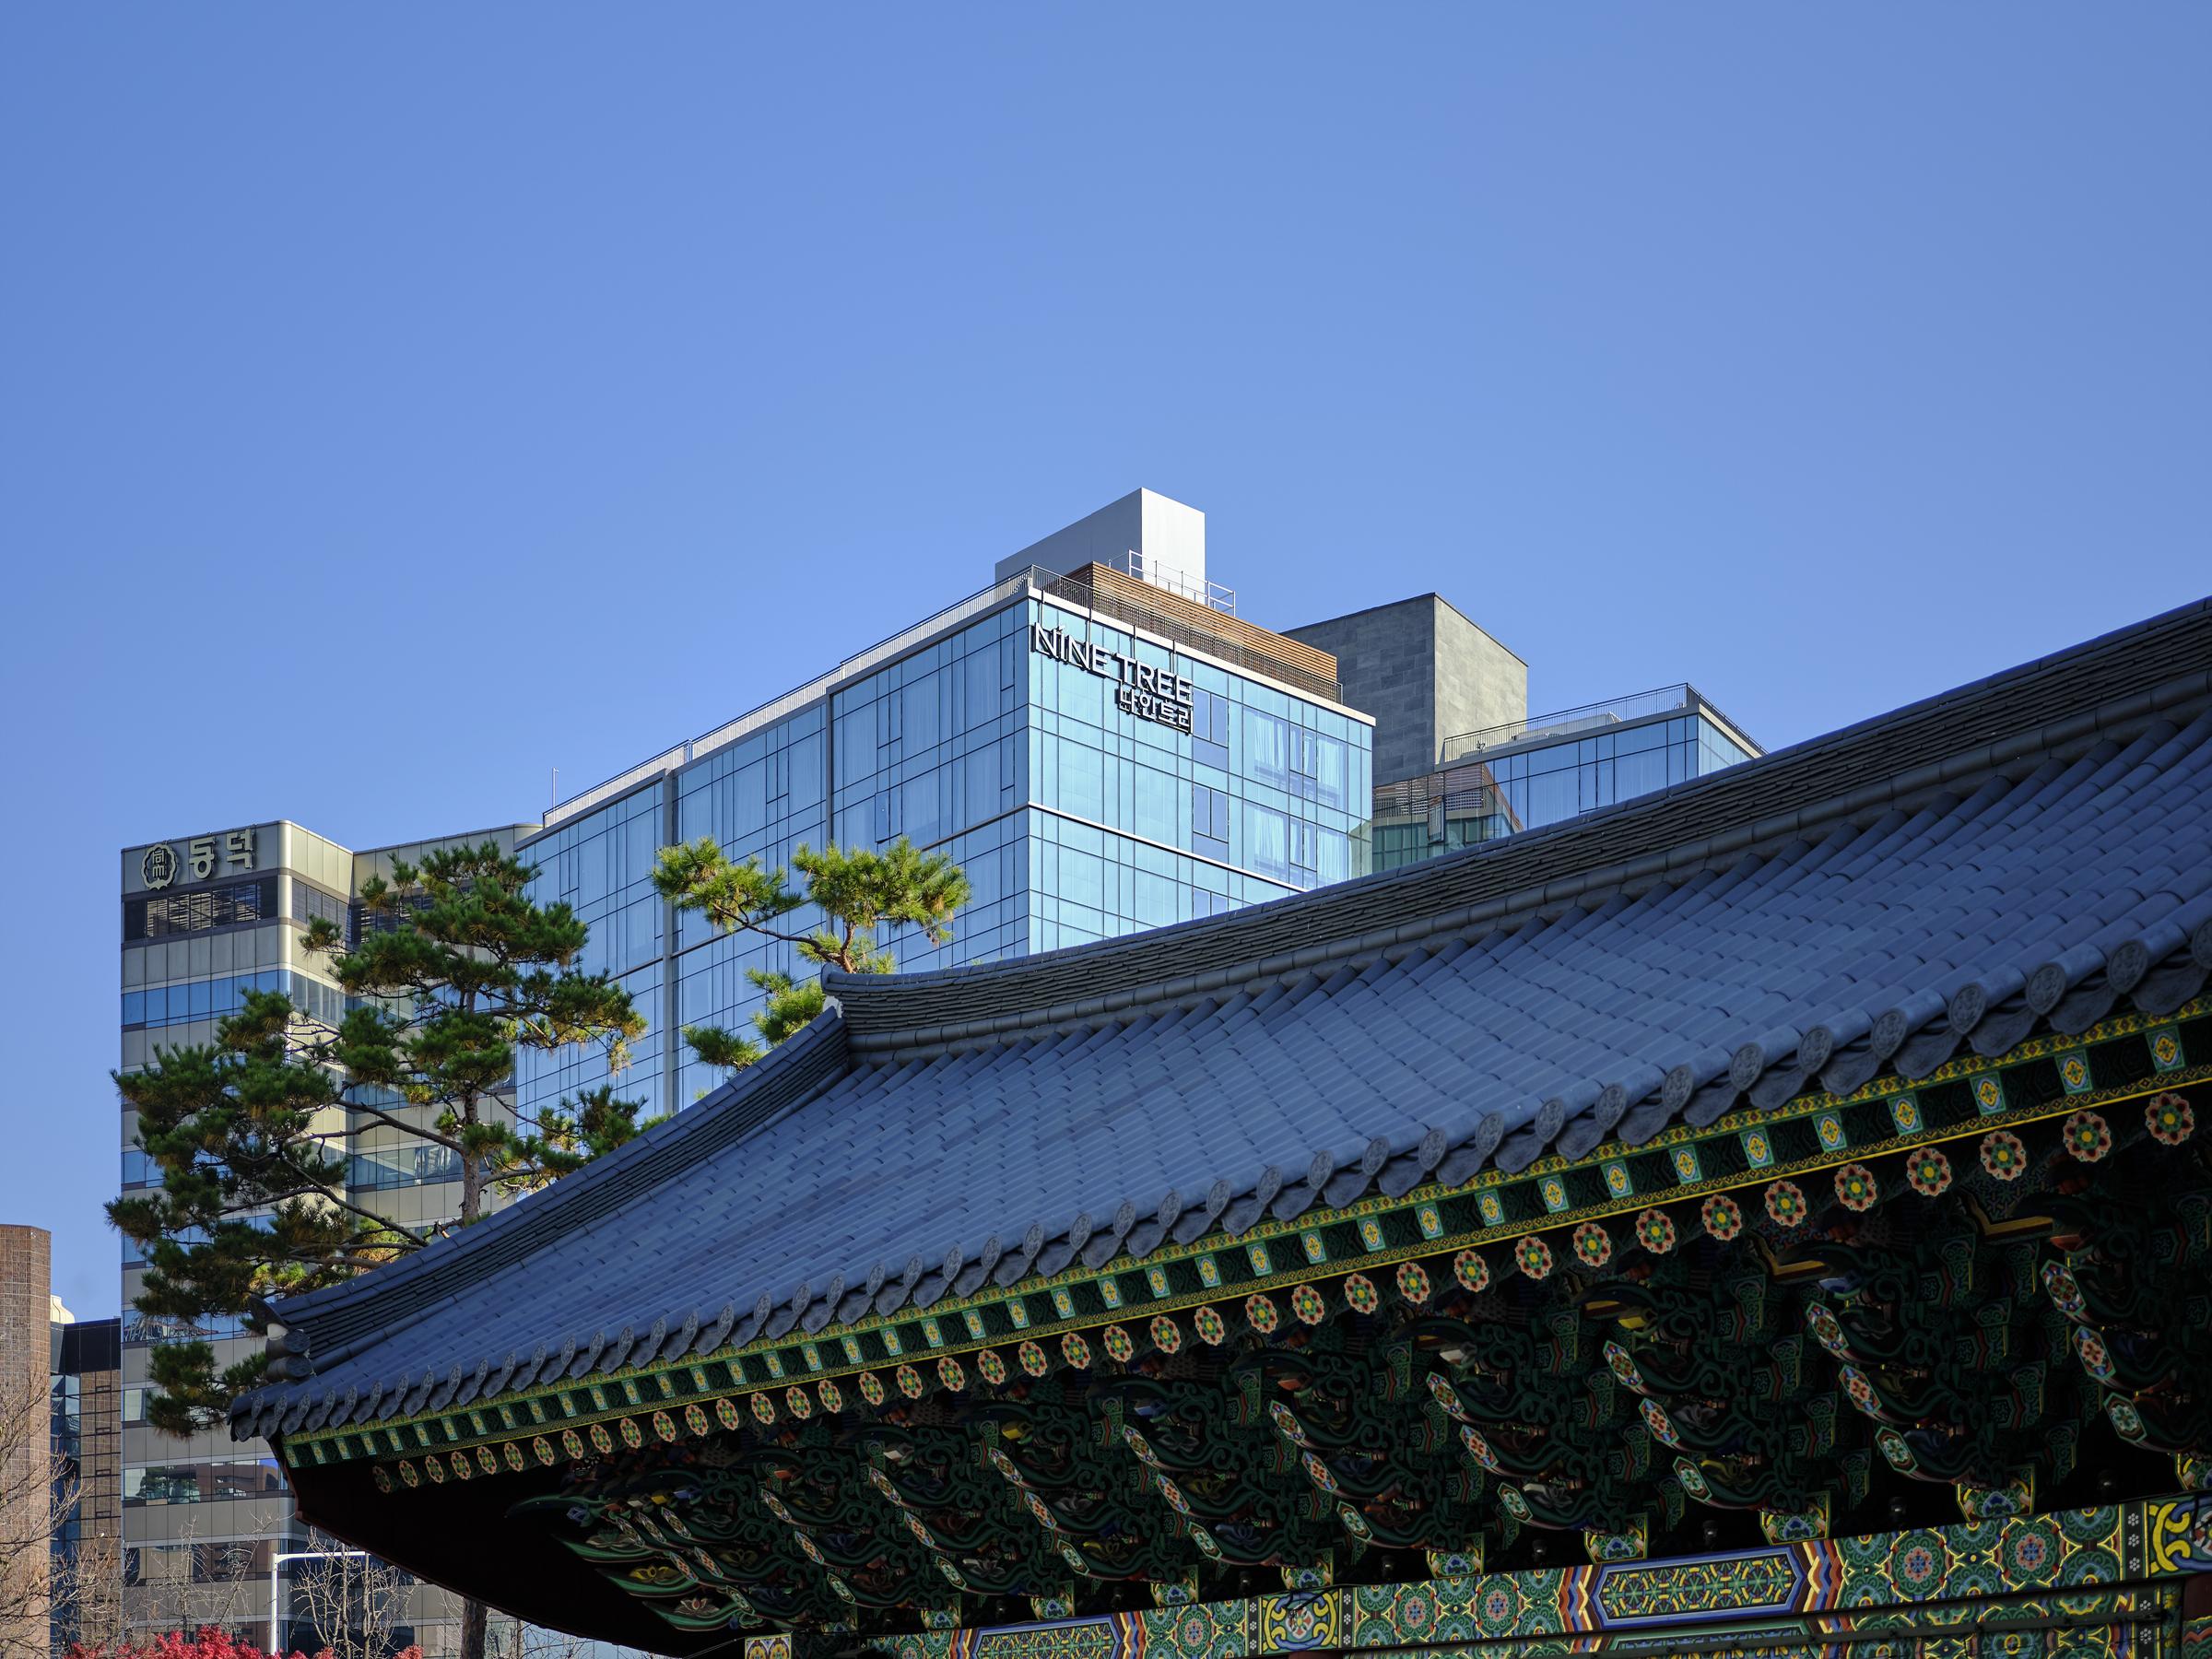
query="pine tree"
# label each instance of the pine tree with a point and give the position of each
(856, 891)
(454, 972)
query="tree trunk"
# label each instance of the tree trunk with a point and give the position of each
(472, 1623)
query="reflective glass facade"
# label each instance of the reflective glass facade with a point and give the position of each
(1526, 785)
(1074, 817)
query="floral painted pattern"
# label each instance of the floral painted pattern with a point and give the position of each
(1211, 1330)
(1076, 1351)
(1929, 1172)
(1034, 1360)
(1260, 1313)
(1534, 1257)
(1413, 1282)
(831, 1396)
(1359, 1290)
(795, 1398)
(1593, 1244)
(1308, 1304)
(1723, 1219)
(1785, 1204)
(2169, 1119)
(2004, 1155)
(2094, 1359)
(871, 1388)
(764, 1408)
(1656, 1232)
(1119, 1347)
(1471, 1271)
(992, 1364)
(1860, 1390)
(2088, 1136)
(910, 1382)
(1856, 1188)
(950, 1373)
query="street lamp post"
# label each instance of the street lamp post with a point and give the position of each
(276, 1565)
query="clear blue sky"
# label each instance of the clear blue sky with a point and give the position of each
(585, 376)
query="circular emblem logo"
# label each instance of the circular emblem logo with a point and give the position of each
(160, 865)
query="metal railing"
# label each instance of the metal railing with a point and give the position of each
(1032, 579)
(1593, 718)
(1196, 589)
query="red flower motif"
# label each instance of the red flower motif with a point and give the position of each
(1785, 1202)
(2004, 1155)
(1593, 1244)
(2088, 1136)
(1723, 1219)
(1855, 1187)
(1929, 1172)
(1533, 1256)
(1472, 1272)
(2169, 1119)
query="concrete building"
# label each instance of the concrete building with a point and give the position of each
(1424, 671)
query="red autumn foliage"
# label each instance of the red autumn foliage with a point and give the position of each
(212, 1641)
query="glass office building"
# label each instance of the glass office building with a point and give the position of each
(1528, 773)
(1097, 753)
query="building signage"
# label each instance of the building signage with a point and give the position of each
(1139, 689)
(207, 854)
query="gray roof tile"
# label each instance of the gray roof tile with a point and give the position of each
(2070, 825)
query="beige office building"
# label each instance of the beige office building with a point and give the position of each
(206, 916)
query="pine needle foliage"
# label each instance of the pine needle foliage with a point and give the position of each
(455, 969)
(855, 890)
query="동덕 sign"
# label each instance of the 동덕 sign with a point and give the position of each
(207, 855)
(1139, 689)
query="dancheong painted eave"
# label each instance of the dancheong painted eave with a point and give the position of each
(2029, 851)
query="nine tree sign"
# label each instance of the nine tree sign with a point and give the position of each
(1139, 689)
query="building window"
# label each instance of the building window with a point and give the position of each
(1209, 821)
(312, 904)
(1209, 728)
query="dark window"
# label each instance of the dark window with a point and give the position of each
(161, 915)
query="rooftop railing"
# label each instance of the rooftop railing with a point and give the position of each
(1593, 718)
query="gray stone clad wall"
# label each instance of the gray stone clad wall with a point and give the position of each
(1425, 673)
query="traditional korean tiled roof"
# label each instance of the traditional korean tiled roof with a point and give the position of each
(2027, 854)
